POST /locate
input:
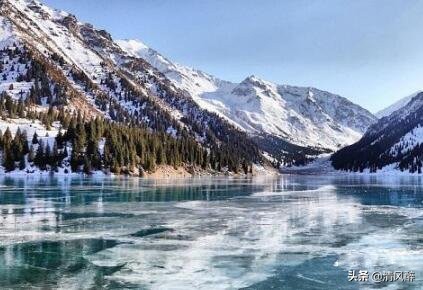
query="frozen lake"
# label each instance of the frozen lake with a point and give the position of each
(289, 232)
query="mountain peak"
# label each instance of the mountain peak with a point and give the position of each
(36, 9)
(255, 81)
(253, 78)
(133, 47)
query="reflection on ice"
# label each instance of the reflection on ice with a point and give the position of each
(207, 233)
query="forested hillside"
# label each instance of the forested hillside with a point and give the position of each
(395, 142)
(109, 111)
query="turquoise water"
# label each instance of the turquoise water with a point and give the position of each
(290, 232)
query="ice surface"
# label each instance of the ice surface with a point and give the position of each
(211, 233)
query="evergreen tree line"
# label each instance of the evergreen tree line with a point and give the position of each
(124, 148)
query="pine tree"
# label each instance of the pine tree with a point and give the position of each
(22, 163)
(74, 161)
(35, 138)
(87, 166)
(39, 159)
(31, 154)
(7, 138)
(8, 160)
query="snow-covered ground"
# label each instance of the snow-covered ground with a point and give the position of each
(409, 141)
(46, 137)
(30, 127)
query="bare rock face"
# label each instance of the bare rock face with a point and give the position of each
(96, 38)
(105, 34)
(34, 6)
(71, 23)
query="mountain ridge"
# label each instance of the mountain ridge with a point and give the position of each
(221, 97)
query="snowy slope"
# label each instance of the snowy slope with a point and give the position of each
(30, 24)
(396, 106)
(31, 127)
(43, 22)
(301, 115)
(395, 142)
(84, 48)
(193, 81)
(7, 37)
(81, 68)
(408, 142)
(304, 116)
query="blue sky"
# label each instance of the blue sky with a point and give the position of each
(368, 51)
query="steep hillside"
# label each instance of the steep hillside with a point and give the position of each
(305, 117)
(395, 142)
(52, 62)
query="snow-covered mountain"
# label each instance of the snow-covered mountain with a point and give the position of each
(57, 61)
(395, 142)
(304, 116)
(396, 106)
(50, 60)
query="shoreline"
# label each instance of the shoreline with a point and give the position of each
(162, 172)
